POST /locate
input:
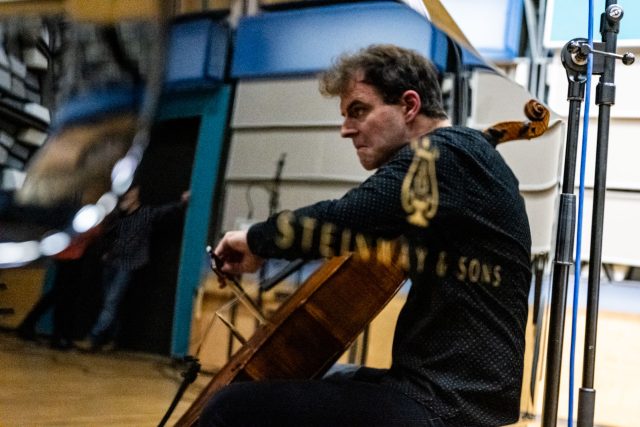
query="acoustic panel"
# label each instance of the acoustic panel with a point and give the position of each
(311, 154)
(197, 52)
(536, 163)
(306, 41)
(622, 157)
(620, 236)
(283, 103)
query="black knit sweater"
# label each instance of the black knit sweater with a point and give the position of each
(459, 341)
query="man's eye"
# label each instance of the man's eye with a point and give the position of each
(357, 112)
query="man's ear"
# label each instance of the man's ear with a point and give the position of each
(411, 103)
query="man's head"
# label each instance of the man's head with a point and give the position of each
(388, 96)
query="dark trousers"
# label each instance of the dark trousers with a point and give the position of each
(311, 403)
(61, 298)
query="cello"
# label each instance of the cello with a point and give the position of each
(311, 329)
(309, 332)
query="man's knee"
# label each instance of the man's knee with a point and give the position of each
(225, 406)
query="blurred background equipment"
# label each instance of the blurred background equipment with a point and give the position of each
(80, 95)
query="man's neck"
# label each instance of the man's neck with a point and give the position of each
(424, 125)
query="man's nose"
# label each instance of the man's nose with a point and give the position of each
(346, 130)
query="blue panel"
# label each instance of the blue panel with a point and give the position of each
(213, 106)
(100, 102)
(440, 50)
(304, 41)
(512, 32)
(470, 60)
(218, 49)
(293, 4)
(567, 19)
(197, 52)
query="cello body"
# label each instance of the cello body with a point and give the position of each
(310, 330)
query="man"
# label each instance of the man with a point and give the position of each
(459, 340)
(126, 246)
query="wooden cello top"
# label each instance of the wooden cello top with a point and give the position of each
(312, 329)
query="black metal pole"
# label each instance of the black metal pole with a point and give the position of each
(561, 269)
(576, 74)
(605, 98)
(274, 205)
(189, 376)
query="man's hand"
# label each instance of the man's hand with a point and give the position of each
(234, 252)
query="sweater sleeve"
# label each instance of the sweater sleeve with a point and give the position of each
(370, 211)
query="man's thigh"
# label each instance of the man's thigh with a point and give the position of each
(314, 403)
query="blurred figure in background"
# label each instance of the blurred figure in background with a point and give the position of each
(126, 250)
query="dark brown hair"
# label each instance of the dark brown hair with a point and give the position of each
(392, 70)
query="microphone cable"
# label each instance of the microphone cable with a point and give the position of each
(583, 161)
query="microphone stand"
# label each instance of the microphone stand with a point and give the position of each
(605, 98)
(193, 364)
(274, 203)
(574, 58)
(576, 75)
(274, 199)
(189, 376)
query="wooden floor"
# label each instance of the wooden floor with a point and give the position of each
(40, 386)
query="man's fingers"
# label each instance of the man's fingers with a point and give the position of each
(232, 268)
(235, 255)
(219, 250)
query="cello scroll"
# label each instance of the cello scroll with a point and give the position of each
(537, 125)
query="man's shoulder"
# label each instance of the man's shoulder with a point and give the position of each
(469, 151)
(462, 141)
(458, 135)
(447, 141)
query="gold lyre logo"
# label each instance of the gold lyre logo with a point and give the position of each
(420, 185)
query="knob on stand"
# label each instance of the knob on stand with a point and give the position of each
(580, 49)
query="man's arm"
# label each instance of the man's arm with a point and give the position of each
(370, 211)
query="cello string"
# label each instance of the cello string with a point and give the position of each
(214, 316)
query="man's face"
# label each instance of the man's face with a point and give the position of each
(376, 129)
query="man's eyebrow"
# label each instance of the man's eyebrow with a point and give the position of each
(354, 103)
